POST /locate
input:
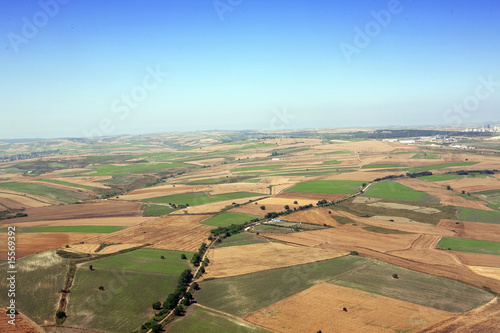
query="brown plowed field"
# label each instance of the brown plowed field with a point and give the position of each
(12, 204)
(21, 324)
(320, 308)
(448, 198)
(30, 243)
(484, 319)
(102, 209)
(110, 221)
(238, 260)
(316, 216)
(473, 230)
(172, 232)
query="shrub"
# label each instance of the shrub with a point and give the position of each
(354, 253)
(157, 305)
(60, 314)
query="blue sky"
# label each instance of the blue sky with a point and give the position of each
(83, 68)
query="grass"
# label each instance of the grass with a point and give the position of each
(440, 166)
(328, 186)
(332, 162)
(437, 178)
(209, 180)
(207, 321)
(157, 210)
(383, 166)
(469, 245)
(335, 152)
(242, 239)
(477, 215)
(423, 155)
(251, 292)
(38, 281)
(146, 261)
(44, 191)
(60, 182)
(200, 198)
(101, 229)
(228, 218)
(123, 305)
(393, 190)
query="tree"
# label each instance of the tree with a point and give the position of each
(183, 256)
(463, 192)
(101, 288)
(157, 305)
(287, 207)
(178, 310)
(60, 314)
(263, 207)
(344, 309)
(295, 202)
(162, 257)
(196, 286)
(395, 276)
(448, 187)
(156, 328)
(354, 253)
(91, 267)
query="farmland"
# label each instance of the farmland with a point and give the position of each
(469, 245)
(337, 223)
(328, 187)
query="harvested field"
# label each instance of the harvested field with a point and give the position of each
(310, 197)
(316, 216)
(346, 238)
(27, 201)
(171, 232)
(227, 261)
(82, 211)
(126, 221)
(478, 259)
(85, 181)
(484, 319)
(448, 198)
(366, 312)
(92, 247)
(492, 272)
(394, 219)
(213, 207)
(473, 230)
(12, 204)
(418, 209)
(30, 243)
(21, 324)
(160, 191)
(474, 184)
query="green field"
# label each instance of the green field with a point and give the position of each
(332, 162)
(39, 279)
(138, 168)
(422, 155)
(255, 291)
(101, 229)
(206, 321)
(200, 198)
(209, 180)
(469, 245)
(328, 186)
(390, 189)
(146, 260)
(157, 210)
(131, 281)
(45, 191)
(60, 182)
(383, 166)
(242, 239)
(228, 218)
(477, 215)
(440, 166)
(437, 178)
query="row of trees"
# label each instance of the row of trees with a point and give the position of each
(197, 256)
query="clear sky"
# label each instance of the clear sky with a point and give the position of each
(89, 67)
